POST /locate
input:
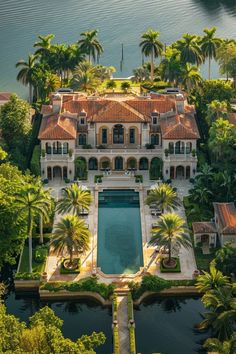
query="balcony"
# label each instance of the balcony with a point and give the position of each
(57, 157)
(180, 157)
(119, 151)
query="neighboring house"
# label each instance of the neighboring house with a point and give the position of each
(223, 227)
(114, 131)
(4, 97)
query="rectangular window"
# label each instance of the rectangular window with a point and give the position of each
(104, 136)
(154, 120)
(132, 136)
(82, 121)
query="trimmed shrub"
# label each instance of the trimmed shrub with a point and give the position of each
(64, 270)
(130, 307)
(35, 161)
(27, 276)
(164, 269)
(132, 344)
(139, 179)
(116, 346)
(98, 178)
(149, 283)
(40, 254)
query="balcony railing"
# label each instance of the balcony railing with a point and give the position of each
(144, 151)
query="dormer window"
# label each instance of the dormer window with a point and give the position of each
(82, 117)
(82, 120)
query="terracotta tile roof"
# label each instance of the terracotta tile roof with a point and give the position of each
(147, 106)
(57, 127)
(232, 118)
(5, 96)
(226, 213)
(46, 109)
(204, 227)
(118, 111)
(91, 107)
(179, 127)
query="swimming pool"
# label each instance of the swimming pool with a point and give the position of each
(119, 232)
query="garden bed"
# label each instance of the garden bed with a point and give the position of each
(76, 270)
(165, 269)
(38, 263)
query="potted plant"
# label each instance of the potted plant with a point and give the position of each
(71, 152)
(43, 153)
(193, 153)
(166, 152)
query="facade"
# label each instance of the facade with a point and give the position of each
(223, 226)
(118, 132)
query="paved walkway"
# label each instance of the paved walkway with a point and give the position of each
(122, 318)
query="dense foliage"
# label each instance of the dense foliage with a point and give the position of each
(42, 335)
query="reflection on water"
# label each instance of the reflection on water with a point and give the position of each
(216, 6)
(166, 325)
(80, 316)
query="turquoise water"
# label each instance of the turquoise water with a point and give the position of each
(119, 232)
(118, 22)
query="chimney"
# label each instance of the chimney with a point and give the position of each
(56, 103)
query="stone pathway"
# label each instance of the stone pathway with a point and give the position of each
(122, 318)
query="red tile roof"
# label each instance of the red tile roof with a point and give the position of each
(226, 213)
(5, 96)
(46, 109)
(57, 127)
(147, 106)
(179, 127)
(204, 227)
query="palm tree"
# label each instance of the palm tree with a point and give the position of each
(85, 77)
(209, 44)
(206, 175)
(44, 44)
(74, 199)
(33, 202)
(190, 76)
(225, 347)
(200, 194)
(164, 197)
(170, 230)
(151, 46)
(212, 280)
(90, 45)
(190, 51)
(141, 74)
(171, 67)
(221, 315)
(25, 75)
(215, 110)
(72, 234)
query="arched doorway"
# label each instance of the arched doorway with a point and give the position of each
(143, 163)
(179, 172)
(172, 172)
(93, 163)
(119, 163)
(80, 167)
(105, 163)
(187, 172)
(57, 173)
(132, 163)
(156, 168)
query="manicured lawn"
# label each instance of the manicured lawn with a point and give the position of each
(24, 266)
(203, 260)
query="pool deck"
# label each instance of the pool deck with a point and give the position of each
(151, 258)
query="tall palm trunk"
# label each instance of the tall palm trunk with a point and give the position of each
(30, 92)
(41, 229)
(152, 65)
(170, 254)
(30, 241)
(209, 69)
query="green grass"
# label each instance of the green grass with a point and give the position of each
(24, 266)
(177, 268)
(203, 260)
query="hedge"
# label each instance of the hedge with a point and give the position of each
(130, 307)
(64, 270)
(116, 345)
(27, 276)
(132, 344)
(114, 307)
(86, 284)
(35, 161)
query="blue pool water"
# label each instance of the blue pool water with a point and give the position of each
(119, 232)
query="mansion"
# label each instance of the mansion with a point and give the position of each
(118, 132)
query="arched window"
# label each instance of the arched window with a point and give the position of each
(171, 148)
(65, 148)
(104, 136)
(132, 136)
(93, 163)
(188, 147)
(48, 148)
(179, 147)
(143, 163)
(155, 139)
(82, 139)
(118, 134)
(57, 149)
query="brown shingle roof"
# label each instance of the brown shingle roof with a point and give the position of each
(57, 127)
(179, 127)
(226, 213)
(204, 227)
